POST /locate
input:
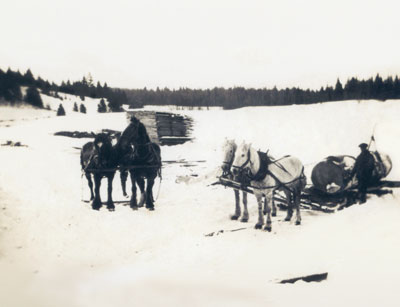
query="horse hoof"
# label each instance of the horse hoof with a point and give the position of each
(96, 208)
(274, 214)
(150, 208)
(265, 212)
(244, 220)
(298, 222)
(234, 217)
(111, 208)
(287, 219)
(268, 228)
(134, 207)
(258, 226)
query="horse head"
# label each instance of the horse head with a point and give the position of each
(242, 160)
(229, 147)
(103, 148)
(129, 136)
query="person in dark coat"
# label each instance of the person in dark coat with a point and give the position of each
(363, 169)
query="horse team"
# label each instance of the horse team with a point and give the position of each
(265, 175)
(133, 153)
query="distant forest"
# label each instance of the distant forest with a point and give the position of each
(11, 82)
(231, 98)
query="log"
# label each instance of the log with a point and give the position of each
(332, 175)
(307, 278)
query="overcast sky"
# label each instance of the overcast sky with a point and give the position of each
(202, 44)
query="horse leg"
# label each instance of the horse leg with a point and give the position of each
(245, 216)
(140, 182)
(267, 200)
(297, 204)
(273, 205)
(149, 194)
(123, 176)
(96, 204)
(236, 215)
(110, 203)
(260, 213)
(90, 183)
(289, 202)
(133, 202)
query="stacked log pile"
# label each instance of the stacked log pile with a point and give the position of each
(165, 128)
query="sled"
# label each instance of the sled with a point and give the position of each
(314, 199)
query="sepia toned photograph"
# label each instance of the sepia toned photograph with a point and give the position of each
(199, 153)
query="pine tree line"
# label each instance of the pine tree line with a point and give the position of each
(11, 82)
(231, 98)
(372, 88)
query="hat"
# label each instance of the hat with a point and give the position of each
(363, 146)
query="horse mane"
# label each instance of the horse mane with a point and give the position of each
(142, 136)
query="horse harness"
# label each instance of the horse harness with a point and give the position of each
(263, 171)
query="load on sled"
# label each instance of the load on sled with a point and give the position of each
(334, 184)
(333, 174)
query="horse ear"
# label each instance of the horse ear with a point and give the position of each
(93, 134)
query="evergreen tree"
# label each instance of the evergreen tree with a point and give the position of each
(33, 97)
(377, 88)
(82, 108)
(101, 107)
(338, 93)
(75, 109)
(60, 110)
(28, 78)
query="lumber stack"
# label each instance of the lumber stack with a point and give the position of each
(165, 128)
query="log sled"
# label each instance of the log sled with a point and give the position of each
(315, 199)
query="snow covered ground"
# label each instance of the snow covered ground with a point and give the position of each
(56, 251)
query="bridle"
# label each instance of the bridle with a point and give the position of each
(242, 167)
(229, 163)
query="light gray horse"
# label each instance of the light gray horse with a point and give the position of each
(229, 148)
(285, 174)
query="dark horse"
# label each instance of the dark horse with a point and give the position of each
(142, 158)
(99, 158)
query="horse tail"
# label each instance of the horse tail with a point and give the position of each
(157, 153)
